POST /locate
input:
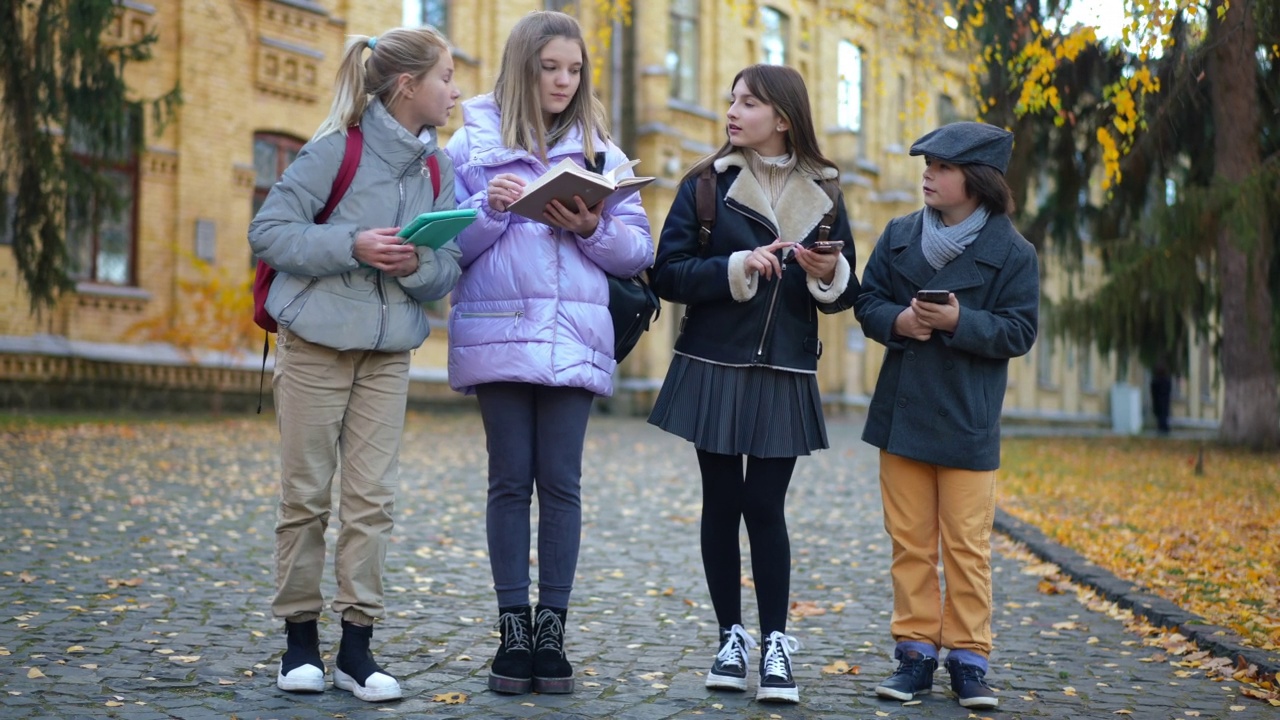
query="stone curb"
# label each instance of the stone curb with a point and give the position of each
(1218, 640)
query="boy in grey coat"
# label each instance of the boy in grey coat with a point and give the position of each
(952, 291)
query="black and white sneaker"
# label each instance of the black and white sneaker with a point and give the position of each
(729, 671)
(301, 668)
(776, 681)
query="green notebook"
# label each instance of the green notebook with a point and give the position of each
(434, 229)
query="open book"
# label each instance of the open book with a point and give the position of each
(567, 179)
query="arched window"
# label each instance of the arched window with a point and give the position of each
(775, 33)
(272, 153)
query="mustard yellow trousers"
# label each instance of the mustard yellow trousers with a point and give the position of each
(926, 506)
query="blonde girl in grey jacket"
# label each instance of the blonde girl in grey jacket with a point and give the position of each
(348, 298)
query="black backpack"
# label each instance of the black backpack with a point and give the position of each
(632, 303)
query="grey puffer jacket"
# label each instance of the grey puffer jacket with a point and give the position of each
(321, 293)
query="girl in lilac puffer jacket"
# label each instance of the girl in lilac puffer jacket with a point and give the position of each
(530, 332)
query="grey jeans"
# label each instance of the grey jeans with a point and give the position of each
(535, 436)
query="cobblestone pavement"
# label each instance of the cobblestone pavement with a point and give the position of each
(136, 576)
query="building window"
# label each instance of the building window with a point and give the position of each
(849, 87)
(436, 14)
(947, 113)
(10, 208)
(774, 34)
(102, 239)
(682, 51)
(1088, 379)
(272, 153)
(1044, 356)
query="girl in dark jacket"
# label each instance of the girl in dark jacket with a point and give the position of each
(743, 379)
(952, 291)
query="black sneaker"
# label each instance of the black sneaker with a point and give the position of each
(913, 677)
(969, 686)
(729, 671)
(776, 682)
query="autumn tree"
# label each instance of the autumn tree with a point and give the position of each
(1169, 116)
(66, 112)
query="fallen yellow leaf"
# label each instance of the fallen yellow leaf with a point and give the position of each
(450, 698)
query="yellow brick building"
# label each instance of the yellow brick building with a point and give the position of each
(256, 78)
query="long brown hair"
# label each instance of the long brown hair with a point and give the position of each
(783, 89)
(516, 91)
(401, 50)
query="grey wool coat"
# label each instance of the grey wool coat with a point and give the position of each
(938, 401)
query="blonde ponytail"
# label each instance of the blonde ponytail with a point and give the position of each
(349, 95)
(398, 51)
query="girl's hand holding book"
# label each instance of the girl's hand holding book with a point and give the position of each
(582, 220)
(504, 189)
(382, 249)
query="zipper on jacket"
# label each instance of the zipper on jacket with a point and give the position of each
(777, 281)
(384, 318)
(301, 292)
(517, 314)
(768, 318)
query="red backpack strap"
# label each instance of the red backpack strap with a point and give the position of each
(704, 197)
(346, 172)
(433, 166)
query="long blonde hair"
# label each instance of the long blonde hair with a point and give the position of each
(517, 95)
(400, 50)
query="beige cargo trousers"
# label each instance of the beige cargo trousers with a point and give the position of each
(336, 407)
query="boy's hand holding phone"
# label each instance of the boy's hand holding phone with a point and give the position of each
(937, 309)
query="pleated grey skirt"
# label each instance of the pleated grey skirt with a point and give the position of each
(728, 410)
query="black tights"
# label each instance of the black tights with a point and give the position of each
(760, 498)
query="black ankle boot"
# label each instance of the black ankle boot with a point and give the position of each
(357, 671)
(552, 672)
(512, 668)
(301, 668)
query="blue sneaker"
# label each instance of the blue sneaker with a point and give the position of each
(913, 677)
(969, 686)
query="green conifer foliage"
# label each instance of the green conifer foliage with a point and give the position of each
(66, 112)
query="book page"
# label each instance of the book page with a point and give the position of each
(613, 175)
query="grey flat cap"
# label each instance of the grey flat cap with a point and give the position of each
(968, 143)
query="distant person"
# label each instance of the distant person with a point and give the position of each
(743, 383)
(530, 332)
(1161, 396)
(348, 298)
(935, 413)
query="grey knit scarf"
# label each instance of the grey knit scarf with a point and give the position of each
(942, 244)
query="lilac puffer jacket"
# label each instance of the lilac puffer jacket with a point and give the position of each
(532, 304)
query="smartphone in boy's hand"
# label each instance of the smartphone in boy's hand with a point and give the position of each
(939, 297)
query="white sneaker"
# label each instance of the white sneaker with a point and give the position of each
(304, 678)
(378, 687)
